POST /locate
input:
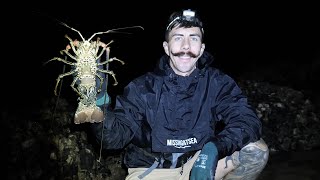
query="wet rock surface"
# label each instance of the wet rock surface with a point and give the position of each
(44, 143)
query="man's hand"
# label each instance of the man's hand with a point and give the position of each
(205, 166)
(102, 104)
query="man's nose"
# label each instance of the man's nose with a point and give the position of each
(186, 44)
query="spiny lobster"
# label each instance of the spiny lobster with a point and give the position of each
(85, 70)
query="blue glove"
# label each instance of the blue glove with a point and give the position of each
(104, 99)
(205, 166)
(103, 96)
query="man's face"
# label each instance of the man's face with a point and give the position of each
(184, 48)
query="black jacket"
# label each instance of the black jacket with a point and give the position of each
(161, 113)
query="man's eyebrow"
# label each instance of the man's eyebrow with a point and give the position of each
(178, 34)
(196, 34)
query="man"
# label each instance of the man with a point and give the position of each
(185, 120)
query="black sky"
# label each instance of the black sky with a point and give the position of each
(242, 36)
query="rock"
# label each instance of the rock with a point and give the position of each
(46, 144)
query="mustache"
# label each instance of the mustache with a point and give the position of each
(184, 53)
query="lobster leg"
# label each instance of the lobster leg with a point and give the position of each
(62, 60)
(111, 73)
(75, 89)
(101, 82)
(59, 78)
(110, 60)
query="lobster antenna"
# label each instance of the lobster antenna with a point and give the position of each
(115, 31)
(73, 30)
(104, 105)
(58, 98)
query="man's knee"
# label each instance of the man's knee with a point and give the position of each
(252, 160)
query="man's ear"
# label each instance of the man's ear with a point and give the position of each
(165, 47)
(203, 46)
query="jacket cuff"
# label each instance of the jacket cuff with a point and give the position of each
(220, 147)
(108, 121)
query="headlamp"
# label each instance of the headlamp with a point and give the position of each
(187, 15)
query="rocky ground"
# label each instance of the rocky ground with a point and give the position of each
(301, 165)
(45, 144)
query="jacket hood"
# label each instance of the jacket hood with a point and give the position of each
(202, 64)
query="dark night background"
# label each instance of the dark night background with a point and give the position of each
(271, 42)
(276, 42)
